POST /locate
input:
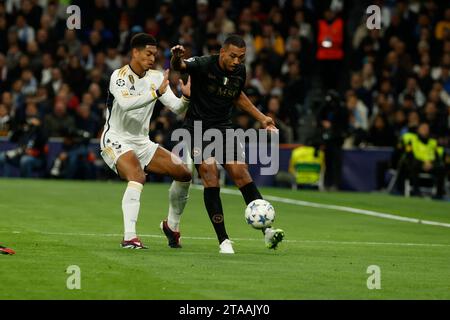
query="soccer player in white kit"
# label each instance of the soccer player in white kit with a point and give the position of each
(125, 144)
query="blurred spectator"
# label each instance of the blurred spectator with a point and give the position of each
(414, 91)
(333, 124)
(30, 153)
(29, 83)
(358, 118)
(59, 121)
(273, 111)
(381, 134)
(330, 52)
(442, 30)
(243, 121)
(25, 33)
(269, 39)
(221, 24)
(71, 42)
(76, 76)
(5, 120)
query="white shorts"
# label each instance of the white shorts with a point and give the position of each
(112, 147)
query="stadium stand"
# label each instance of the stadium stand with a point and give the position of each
(388, 80)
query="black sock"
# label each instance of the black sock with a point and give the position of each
(250, 192)
(213, 205)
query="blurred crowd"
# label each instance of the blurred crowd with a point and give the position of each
(387, 81)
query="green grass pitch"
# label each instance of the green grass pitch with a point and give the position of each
(55, 224)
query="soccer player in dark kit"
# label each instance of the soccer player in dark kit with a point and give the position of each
(217, 82)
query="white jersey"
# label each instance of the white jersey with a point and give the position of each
(131, 101)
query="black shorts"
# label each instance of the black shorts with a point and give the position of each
(220, 144)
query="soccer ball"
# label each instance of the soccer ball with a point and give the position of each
(259, 214)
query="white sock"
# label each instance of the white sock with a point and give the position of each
(178, 196)
(130, 208)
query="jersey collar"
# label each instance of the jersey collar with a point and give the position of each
(139, 77)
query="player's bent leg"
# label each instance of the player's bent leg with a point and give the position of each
(211, 195)
(166, 163)
(129, 168)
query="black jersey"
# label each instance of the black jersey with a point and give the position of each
(213, 92)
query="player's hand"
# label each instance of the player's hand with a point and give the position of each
(178, 51)
(165, 83)
(186, 88)
(268, 124)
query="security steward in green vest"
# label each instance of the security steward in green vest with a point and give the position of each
(423, 154)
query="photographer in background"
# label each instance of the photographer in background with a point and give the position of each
(75, 161)
(333, 126)
(31, 146)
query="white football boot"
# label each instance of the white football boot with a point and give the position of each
(226, 247)
(273, 237)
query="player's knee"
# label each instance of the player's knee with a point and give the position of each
(210, 175)
(138, 176)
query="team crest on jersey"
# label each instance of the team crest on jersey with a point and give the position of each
(120, 82)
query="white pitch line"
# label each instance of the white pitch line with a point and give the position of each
(369, 243)
(339, 208)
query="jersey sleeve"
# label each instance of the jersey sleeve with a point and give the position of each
(126, 101)
(175, 104)
(195, 64)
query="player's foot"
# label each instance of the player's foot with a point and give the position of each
(172, 236)
(273, 237)
(134, 243)
(5, 250)
(226, 247)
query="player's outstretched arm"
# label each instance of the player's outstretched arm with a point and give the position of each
(170, 100)
(244, 103)
(125, 100)
(176, 61)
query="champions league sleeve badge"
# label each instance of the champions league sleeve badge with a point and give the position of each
(120, 82)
